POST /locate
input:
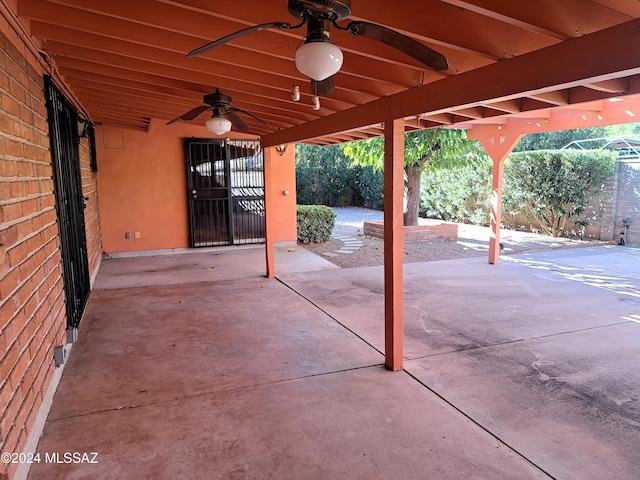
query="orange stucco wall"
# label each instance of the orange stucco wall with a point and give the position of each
(283, 179)
(142, 187)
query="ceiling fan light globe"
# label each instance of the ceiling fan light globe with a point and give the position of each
(218, 125)
(318, 60)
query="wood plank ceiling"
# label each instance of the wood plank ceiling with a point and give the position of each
(126, 60)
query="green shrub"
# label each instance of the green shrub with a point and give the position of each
(551, 187)
(324, 176)
(315, 223)
(459, 194)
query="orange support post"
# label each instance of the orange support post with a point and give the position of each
(498, 141)
(394, 244)
(269, 154)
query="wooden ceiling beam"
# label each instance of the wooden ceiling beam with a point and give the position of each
(559, 20)
(164, 112)
(179, 38)
(475, 113)
(349, 92)
(109, 51)
(76, 76)
(441, 118)
(617, 86)
(532, 104)
(123, 115)
(248, 101)
(536, 72)
(260, 12)
(328, 104)
(556, 97)
(136, 80)
(632, 9)
(507, 106)
(476, 34)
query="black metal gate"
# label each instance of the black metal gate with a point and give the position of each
(225, 180)
(63, 133)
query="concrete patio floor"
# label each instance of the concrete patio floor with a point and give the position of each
(195, 366)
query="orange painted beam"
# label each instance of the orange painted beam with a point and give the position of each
(394, 244)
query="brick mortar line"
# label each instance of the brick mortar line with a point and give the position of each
(31, 216)
(20, 284)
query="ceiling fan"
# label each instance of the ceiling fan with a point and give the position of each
(319, 59)
(224, 116)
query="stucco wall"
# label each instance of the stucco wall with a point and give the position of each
(283, 195)
(142, 188)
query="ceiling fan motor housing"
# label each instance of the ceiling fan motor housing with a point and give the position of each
(217, 98)
(334, 9)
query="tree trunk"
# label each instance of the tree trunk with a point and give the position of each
(414, 173)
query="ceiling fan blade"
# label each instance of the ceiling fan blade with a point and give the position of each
(236, 121)
(234, 109)
(401, 42)
(238, 34)
(323, 88)
(191, 114)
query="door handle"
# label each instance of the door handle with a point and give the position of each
(194, 194)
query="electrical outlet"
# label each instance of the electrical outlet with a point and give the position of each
(60, 354)
(137, 235)
(72, 335)
(127, 235)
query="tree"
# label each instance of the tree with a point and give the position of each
(424, 150)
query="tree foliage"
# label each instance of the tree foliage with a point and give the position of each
(459, 194)
(561, 138)
(432, 149)
(424, 150)
(324, 176)
(554, 186)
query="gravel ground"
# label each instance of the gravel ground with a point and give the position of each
(473, 241)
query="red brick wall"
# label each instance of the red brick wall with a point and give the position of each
(91, 211)
(435, 230)
(32, 313)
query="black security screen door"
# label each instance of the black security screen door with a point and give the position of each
(225, 180)
(63, 132)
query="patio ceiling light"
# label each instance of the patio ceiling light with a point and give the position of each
(318, 59)
(218, 125)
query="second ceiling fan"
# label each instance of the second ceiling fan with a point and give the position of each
(319, 59)
(223, 114)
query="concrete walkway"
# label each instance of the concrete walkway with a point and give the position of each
(349, 228)
(196, 366)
